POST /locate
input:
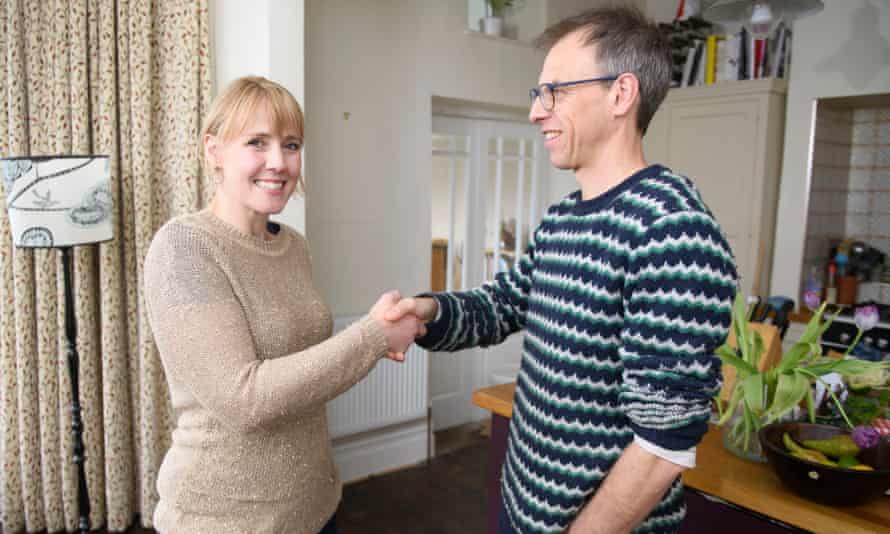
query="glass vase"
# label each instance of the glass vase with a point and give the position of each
(737, 442)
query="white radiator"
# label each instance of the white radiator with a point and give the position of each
(391, 393)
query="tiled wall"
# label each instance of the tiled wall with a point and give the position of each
(868, 203)
(850, 190)
(826, 219)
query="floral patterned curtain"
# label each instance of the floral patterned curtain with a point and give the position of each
(129, 79)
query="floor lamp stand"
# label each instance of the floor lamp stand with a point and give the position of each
(83, 500)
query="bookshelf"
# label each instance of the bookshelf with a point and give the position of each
(728, 137)
(701, 55)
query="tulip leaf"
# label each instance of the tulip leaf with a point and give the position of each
(816, 349)
(791, 388)
(846, 367)
(753, 388)
(811, 333)
(729, 357)
(811, 405)
(793, 356)
(757, 349)
(750, 425)
(824, 326)
(734, 400)
(740, 323)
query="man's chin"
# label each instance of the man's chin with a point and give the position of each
(562, 165)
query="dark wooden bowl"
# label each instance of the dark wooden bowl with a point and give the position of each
(823, 483)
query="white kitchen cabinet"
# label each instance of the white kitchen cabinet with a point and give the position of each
(727, 138)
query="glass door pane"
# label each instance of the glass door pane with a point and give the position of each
(509, 214)
(449, 210)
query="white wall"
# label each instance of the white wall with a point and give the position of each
(660, 10)
(842, 51)
(526, 23)
(560, 9)
(369, 133)
(265, 38)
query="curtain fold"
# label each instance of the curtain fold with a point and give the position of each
(129, 79)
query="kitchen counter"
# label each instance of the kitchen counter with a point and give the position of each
(748, 485)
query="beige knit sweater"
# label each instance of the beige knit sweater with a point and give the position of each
(245, 342)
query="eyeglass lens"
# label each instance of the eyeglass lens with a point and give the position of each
(545, 93)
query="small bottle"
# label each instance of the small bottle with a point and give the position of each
(831, 284)
(813, 287)
(841, 260)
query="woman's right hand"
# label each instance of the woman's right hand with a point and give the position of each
(400, 333)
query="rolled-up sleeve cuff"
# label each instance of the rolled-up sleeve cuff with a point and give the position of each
(685, 458)
(675, 439)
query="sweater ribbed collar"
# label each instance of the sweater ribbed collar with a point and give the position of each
(605, 199)
(273, 247)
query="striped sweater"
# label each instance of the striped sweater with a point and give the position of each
(624, 299)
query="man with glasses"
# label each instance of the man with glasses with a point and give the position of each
(624, 294)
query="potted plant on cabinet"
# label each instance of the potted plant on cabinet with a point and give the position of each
(760, 397)
(493, 24)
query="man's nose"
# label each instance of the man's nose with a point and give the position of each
(537, 112)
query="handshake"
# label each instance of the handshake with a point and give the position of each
(402, 320)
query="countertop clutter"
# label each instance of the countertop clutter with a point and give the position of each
(748, 485)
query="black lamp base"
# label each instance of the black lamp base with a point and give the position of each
(83, 500)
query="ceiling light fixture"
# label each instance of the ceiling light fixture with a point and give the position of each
(760, 17)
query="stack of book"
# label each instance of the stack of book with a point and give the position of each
(739, 56)
(683, 35)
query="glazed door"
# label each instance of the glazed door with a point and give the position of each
(485, 202)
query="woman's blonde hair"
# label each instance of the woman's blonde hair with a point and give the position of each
(236, 106)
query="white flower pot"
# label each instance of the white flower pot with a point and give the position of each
(493, 26)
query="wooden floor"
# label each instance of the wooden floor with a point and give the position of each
(446, 496)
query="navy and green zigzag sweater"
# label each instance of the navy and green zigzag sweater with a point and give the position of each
(624, 299)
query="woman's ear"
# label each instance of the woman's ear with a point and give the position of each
(625, 94)
(211, 149)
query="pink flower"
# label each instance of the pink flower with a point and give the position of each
(866, 437)
(811, 299)
(866, 317)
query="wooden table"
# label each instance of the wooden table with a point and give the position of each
(747, 485)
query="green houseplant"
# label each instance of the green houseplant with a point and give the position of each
(499, 7)
(759, 398)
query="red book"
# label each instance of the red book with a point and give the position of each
(759, 45)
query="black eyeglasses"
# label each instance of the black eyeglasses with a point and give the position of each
(546, 92)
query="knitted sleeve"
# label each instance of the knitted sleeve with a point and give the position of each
(207, 349)
(678, 293)
(485, 315)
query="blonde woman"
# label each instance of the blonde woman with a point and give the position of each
(245, 337)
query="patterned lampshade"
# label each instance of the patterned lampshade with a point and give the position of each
(58, 201)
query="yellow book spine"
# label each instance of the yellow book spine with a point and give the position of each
(711, 59)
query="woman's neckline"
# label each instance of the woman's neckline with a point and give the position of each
(273, 242)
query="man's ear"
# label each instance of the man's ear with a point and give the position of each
(625, 95)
